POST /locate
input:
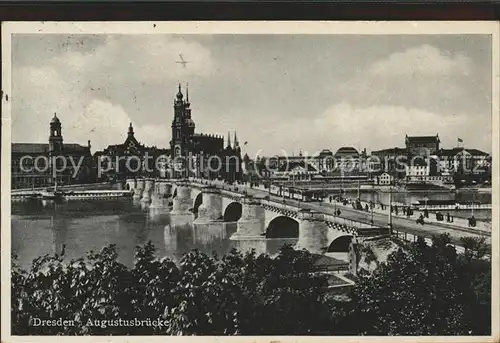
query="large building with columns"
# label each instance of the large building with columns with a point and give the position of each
(201, 155)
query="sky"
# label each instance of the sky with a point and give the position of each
(280, 93)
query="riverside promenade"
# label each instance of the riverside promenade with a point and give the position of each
(482, 226)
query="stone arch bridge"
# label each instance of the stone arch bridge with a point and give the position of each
(256, 217)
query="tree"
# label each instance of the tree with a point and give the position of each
(420, 290)
(203, 295)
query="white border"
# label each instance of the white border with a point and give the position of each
(248, 27)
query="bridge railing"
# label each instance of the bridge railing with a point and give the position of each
(279, 205)
(349, 222)
(454, 207)
(413, 238)
(231, 193)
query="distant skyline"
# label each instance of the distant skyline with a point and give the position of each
(278, 92)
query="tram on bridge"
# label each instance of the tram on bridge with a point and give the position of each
(295, 193)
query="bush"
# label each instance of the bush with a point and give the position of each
(420, 290)
(203, 295)
(424, 290)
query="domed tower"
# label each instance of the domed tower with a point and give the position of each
(55, 137)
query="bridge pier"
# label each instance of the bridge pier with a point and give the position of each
(158, 199)
(313, 232)
(168, 189)
(353, 257)
(148, 189)
(252, 222)
(131, 183)
(182, 202)
(210, 210)
(139, 188)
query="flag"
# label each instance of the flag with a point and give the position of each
(245, 143)
(460, 140)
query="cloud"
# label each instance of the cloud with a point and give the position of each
(374, 127)
(379, 127)
(105, 123)
(97, 91)
(275, 100)
(423, 78)
(424, 59)
(149, 57)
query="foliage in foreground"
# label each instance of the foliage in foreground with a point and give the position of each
(238, 294)
(423, 290)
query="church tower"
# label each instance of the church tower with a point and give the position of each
(55, 137)
(179, 140)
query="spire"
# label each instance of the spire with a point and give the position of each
(179, 93)
(236, 143)
(187, 92)
(130, 130)
(228, 140)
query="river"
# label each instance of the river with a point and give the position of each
(84, 225)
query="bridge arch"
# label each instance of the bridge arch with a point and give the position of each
(282, 227)
(232, 212)
(198, 200)
(340, 244)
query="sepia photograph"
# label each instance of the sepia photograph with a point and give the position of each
(250, 179)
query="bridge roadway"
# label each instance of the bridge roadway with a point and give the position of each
(379, 219)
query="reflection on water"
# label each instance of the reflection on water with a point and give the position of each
(85, 225)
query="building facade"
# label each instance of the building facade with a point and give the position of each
(384, 179)
(422, 145)
(37, 165)
(464, 161)
(346, 159)
(388, 161)
(325, 161)
(198, 154)
(130, 159)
